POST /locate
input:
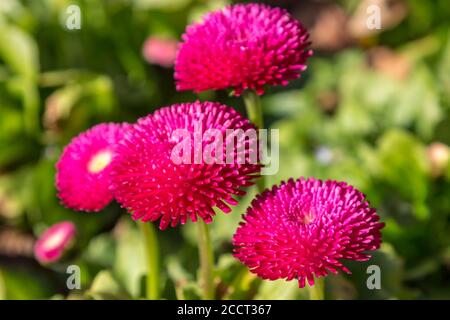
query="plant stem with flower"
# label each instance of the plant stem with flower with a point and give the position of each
(317, 291)
(206, 261)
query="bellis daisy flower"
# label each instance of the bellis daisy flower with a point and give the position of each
(54, 241)
(244, 46)
(152, 185)
(83, 171)
(304, 229)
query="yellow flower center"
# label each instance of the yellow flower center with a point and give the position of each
(99, 161)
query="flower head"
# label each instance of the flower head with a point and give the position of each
(305, 228)
(152, 182)
(82, 177)
(52, 243)
(160, 51)
(244, 46)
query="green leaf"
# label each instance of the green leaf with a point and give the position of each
(234, 280)
(403, 164)
(101, 250)
(105, 287)
(281, 290)
(19, 51)
(391, 275)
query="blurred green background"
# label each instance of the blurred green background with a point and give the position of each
(373, 110)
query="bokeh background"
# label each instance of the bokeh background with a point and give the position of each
(373, 109)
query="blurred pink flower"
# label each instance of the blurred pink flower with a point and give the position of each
(148, 183)
(52, 243)
(160, 51)
(244, 46)
(304, 229)
(82, 177)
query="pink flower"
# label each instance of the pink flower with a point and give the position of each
(152, 185)
(305, 228)
(244, 46)
(52, 243)
(160, 51)
(83, 171)
(438, 155)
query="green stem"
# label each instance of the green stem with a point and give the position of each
(206, 260)
(152, 256)
(317, 291)
(254, 111)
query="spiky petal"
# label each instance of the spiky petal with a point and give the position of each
(304, 229)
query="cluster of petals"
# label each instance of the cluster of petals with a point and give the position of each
(304, 229)
(152, 185)
(243, 46)
(83, 170)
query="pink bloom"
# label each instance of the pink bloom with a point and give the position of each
(83, 171)
(305, 228)
(160, 51)
(52, 243)
(244, 46)
(151, 185)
